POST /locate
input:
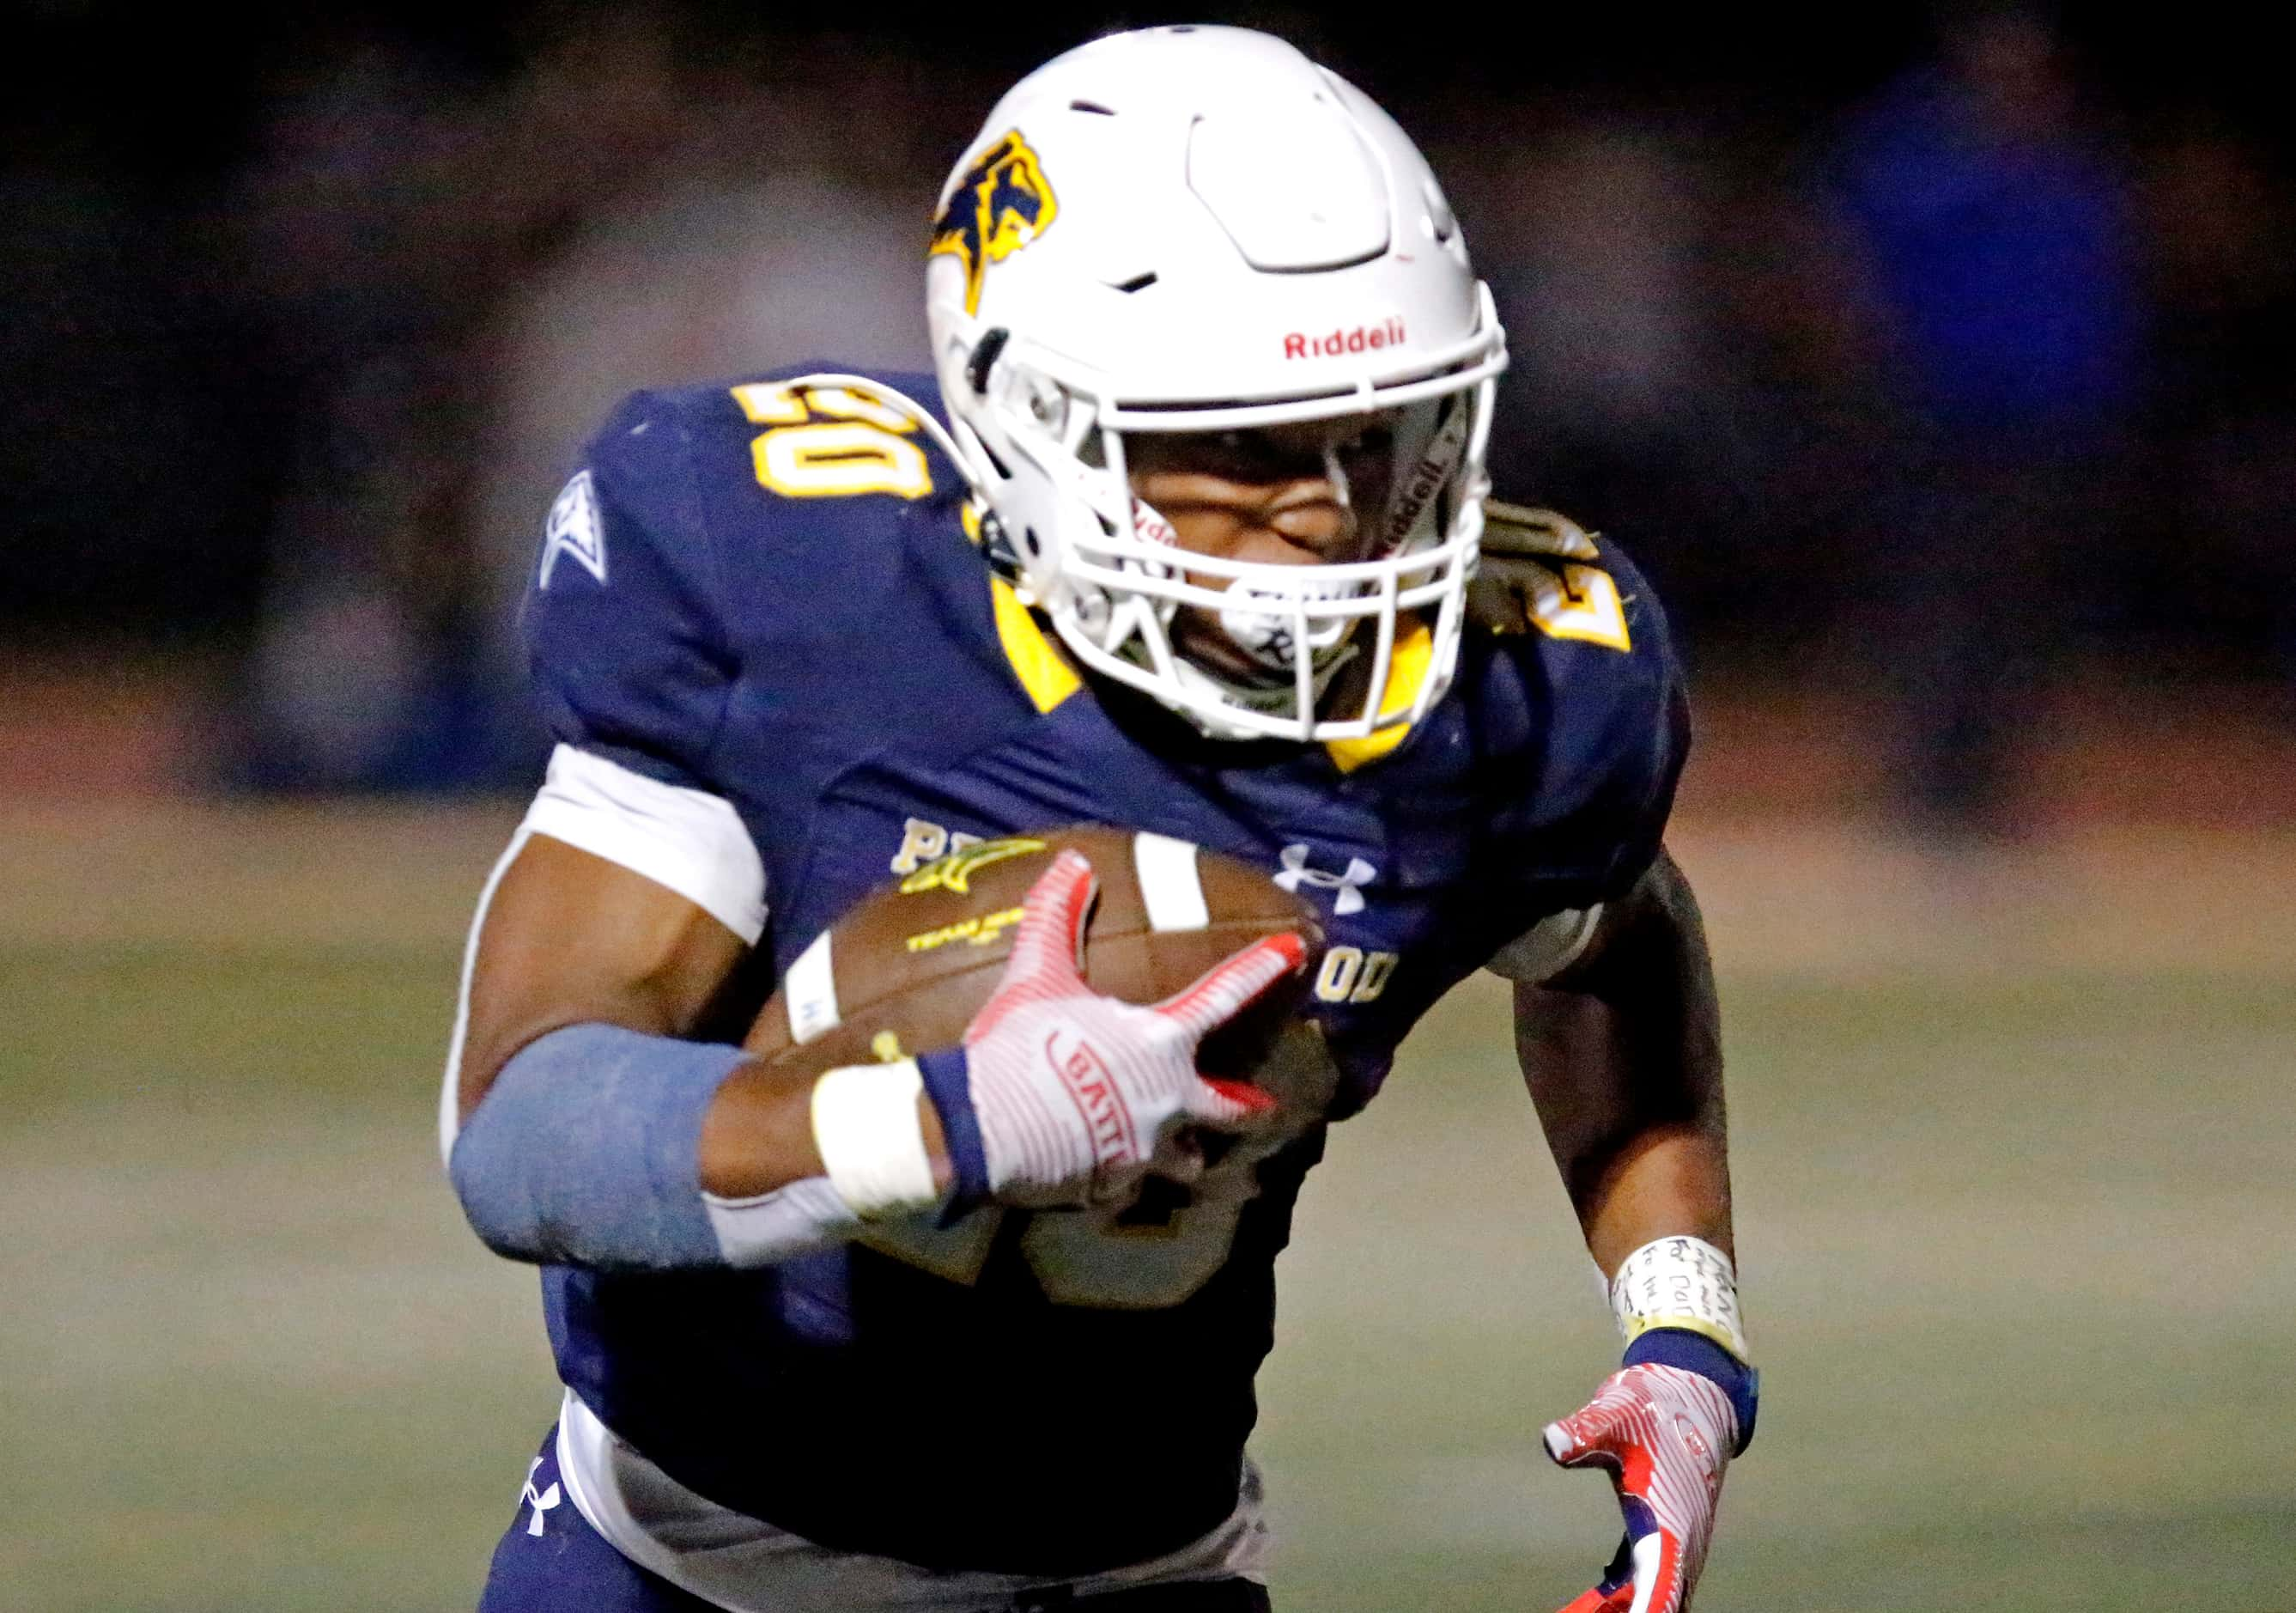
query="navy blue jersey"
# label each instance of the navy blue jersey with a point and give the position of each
(778, 602)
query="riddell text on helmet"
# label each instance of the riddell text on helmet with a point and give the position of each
(1363, 339)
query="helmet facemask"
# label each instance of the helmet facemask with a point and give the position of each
(1108, 572)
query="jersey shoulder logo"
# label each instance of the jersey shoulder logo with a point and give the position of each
(1000, 205)
(574, 529)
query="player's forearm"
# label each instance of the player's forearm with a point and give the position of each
(758, 1135)
(1624, 1061)
(603, 1147)
(1666, 1182)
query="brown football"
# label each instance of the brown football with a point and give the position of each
(906, 969)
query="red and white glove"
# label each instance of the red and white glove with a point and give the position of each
(1665, 1435)
(1073, 1092)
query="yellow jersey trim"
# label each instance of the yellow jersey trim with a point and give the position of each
(1048, 679)
(1414, 655)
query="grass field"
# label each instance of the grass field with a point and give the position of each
(2017, 1210)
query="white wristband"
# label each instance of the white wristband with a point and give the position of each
(871, 1140)
(1679, 1282)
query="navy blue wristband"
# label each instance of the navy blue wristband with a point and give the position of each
(949, 1085)
(1696, 1353)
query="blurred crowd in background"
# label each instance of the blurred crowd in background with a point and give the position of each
(1955, 360)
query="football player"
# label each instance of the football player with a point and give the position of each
(1186, 532)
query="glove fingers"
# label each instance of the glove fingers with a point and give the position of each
(1048, 942)
(1222, 990)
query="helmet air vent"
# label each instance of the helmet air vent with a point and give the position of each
(1441, 222)
(1092, 106)
(984, 359)
(1138, 283)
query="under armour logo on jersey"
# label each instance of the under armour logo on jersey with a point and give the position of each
(574, 529)
(542, 1503)
(1347, 900)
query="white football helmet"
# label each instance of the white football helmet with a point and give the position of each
(1197, 229)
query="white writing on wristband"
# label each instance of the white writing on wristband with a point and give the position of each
(1679, 1282)
(872, 1142)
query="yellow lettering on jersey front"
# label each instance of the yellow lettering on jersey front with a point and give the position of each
(1351, 974)
(922, 840)
(920, 843)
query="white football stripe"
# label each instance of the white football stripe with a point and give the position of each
(809, 993)
(1168, 883)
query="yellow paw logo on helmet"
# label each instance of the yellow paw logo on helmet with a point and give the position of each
(1000, 205)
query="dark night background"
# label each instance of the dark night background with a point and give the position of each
(1943, 353)
(1938, 362)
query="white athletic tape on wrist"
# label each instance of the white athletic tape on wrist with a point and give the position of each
(872, 1141)
(1679, 1282)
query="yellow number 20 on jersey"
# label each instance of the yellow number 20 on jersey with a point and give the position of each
(830, 443)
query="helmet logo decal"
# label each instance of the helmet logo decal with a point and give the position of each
(1000, 205)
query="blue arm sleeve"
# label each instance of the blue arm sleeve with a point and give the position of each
(586, 1151)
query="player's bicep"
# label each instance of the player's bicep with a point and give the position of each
(1599, 949)
(1629, 1025)
(622, 900)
